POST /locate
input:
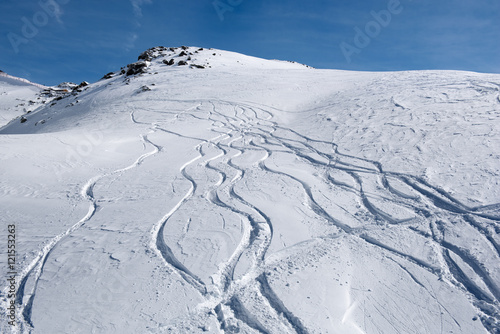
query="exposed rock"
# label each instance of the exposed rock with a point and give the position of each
(80, 86)
(108, 76)
(182, 62)
(169, 62)
(197, 66)
(146, 55)
(137, 68)
(67, 85)
(152, 53)
(183, 53)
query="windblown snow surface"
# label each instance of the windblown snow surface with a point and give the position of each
(256, 196)
(17, 96)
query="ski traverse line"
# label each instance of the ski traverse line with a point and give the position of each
(448, 204)
(228, 288)
(158, 244)
(234, 289)
(37, 265)
(423, 199)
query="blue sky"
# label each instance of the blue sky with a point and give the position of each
(83, 40)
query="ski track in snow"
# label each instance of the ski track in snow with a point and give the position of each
(429, 198)
(250, 129)
(230, 291)
(35, 269)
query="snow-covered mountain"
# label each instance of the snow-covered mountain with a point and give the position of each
(21, 96)
(18, 96)
(204, 191)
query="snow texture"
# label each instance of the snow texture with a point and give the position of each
(234, 194)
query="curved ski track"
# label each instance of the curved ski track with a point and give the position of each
(250, 128)
(247, 126)
(35, 269)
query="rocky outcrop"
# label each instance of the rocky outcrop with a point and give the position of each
(136, 68)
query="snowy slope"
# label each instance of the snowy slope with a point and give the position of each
(18, 96)
(256, 196)
(21, 97)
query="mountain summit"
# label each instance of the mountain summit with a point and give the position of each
(195, 57)
(161, 63)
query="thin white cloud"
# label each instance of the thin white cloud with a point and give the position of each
(58, 13)
(137, 4)
(130, 43)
